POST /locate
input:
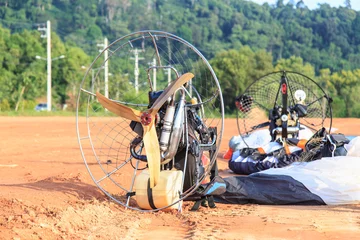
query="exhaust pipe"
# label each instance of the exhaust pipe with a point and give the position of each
(176, 132)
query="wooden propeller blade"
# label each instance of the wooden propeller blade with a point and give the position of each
(150, 138)
(118, 109)
(170, 90)
(152, 149)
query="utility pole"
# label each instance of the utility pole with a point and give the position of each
(106, 66)
(154, 73)
(48, 49)
(170, 60)
(190, 87)
(169, 75)
(47, 35)
(136, 69)
(92, 83)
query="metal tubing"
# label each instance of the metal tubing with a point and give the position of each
(166, 129)
(176, 131)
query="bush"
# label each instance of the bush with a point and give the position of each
(27, 105)
(338, 108)
(4, 105)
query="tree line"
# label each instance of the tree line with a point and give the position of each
(322, 43)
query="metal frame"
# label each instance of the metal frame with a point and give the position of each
(153, 35)
(284, 80)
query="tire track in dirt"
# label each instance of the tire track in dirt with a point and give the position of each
(206, 223)
(219, 222)
(209, 229)
(187, 226)
(165, 226)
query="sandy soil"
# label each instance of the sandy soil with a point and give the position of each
(47, 193)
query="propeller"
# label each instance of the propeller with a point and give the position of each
(147, 120)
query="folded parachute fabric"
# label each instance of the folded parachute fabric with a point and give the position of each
(353, 147)
(254, 140)
(272, 155)
(276, 155)
(258, 139)
(259, 188)
(335, 180)
(330, 181)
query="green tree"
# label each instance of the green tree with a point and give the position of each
(346, 83)
(21, 73)
(347, 4)
(295, 64)
(323, 38)
(236, 69)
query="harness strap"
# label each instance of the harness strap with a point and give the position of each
(130, 194)
(211, 201)
(197, 204)
(206, 201)
(150, 195)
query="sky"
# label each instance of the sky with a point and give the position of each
(311, 4)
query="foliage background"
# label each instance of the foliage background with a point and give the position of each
(241, 39)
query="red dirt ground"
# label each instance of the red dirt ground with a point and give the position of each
(47, 193)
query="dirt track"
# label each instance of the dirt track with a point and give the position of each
(46, 193)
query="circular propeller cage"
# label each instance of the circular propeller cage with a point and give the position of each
(264, 97)
(125, 72)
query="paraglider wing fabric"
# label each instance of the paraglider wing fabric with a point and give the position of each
(336, 180)
(262, 188)
(331, 181)
(353, 147)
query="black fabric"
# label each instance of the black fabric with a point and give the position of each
(326, 146)
(286, 159)
(194, 165)
(256, 163)
(191, 170)
(203, 196)
(247, 167)
(262, 188)
(194, 170)
(339, 140)
(216, 186)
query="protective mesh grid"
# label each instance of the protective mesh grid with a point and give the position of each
(264, 94)
(105, 138)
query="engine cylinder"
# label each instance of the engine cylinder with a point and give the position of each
(166, 129)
